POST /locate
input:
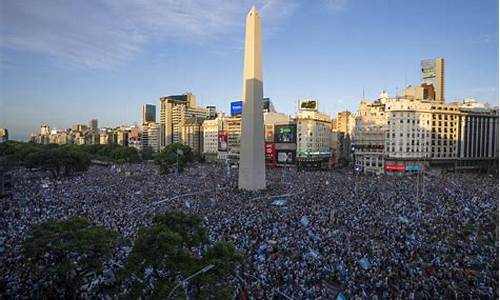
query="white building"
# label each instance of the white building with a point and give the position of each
(151, 136)
(211, 129)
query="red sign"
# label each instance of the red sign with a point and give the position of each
(395, 168)
(270, 153)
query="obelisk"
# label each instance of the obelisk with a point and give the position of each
(252, 172)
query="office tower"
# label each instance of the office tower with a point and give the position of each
(151, 136)
(148, 113)
(192, 134)
(433, 73)
(174, 111)
(252, 172)
(93, 125)
(4, 135)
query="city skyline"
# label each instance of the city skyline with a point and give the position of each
(335, 58)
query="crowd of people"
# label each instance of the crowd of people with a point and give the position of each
(309, 235)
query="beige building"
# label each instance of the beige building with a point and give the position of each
(174, 111)
(191, 134)
(433, 73)
(313, 134)
(395, 133)
(408, 134)
(233, 127)
(345, 122)
(369, 135)
(4, 135)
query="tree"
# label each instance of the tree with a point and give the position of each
(65, 252)
(57, 160)
(147, 153)
(162, 256)
(172, 155)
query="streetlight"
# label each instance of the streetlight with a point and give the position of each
(185, 282)
(178, 152)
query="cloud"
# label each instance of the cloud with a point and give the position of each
(107, 33)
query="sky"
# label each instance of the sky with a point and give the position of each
(66, 62)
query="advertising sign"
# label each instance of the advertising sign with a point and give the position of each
(412, 168)
(269, 133)
(395, 168)
(428, 69)
(222, 141)
(308, 104)
(236, 108)
(270, 152)
(285, 133)
(286, 156)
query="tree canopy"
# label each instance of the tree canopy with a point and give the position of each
(64, 252)
(163, 256)
(173, 154)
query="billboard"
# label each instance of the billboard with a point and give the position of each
(269, 133)
(412, 168)
(236, 108)
(308, 104)
(286, 156)
(285, 133)
(222, 141)
(428, 70)
(270, 152)
(395, 168)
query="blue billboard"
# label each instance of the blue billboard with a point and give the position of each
(236, 108)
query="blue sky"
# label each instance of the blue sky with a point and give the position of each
(65, 62)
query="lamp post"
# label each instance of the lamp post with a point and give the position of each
(179, 152)
(184, 283)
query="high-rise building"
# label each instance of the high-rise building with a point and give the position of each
(93, 125)
(151, 136)
(433, 73)
(192, 134)
(211, 130)
(252, 170)
(174, 110)
(4, 135)
(148, 113)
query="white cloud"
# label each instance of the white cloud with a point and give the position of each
(107, 33)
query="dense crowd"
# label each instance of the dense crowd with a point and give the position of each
(310, 235)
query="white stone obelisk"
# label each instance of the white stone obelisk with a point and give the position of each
(252, 172)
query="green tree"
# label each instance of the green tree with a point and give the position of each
(162, 255)
(172, 155)
(65, 252)
(57, 160)
(147, 153)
